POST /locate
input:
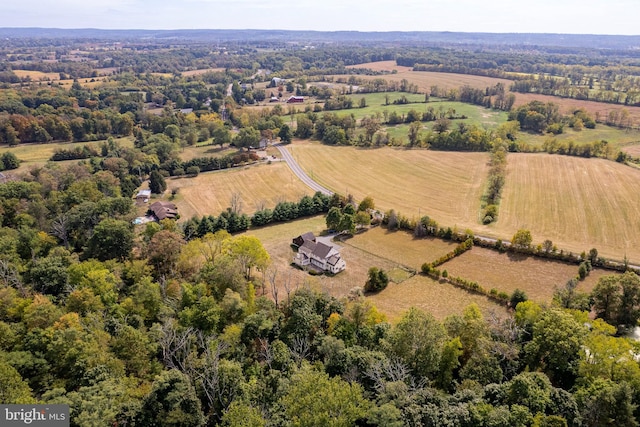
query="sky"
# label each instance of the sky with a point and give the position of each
(619, 17)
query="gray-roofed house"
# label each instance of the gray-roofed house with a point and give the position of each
(164, 210)
(320, 256)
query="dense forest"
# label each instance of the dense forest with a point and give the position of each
(186, 323)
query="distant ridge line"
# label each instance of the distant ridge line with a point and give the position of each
(593, 41)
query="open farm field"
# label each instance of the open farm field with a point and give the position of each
(439, 299)
(210, 193)
(202, 71)
(387, 66)
(400, 246)
(632, 150)
(36, 75)
(617, 138)
(39, 76)
(447, 186)
(577, 203)
(88, 83)
(506, 272)
(426, 79)
(568, 105)
(418, 291)
(38, 154)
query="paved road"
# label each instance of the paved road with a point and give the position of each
(287, 157)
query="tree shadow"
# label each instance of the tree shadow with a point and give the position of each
(517, 256)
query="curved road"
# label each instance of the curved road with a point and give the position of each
(296, 169)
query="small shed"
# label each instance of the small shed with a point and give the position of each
(143, 196)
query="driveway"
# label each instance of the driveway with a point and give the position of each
(295, 167)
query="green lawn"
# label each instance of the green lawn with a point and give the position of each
(616, 137)
(39, 154)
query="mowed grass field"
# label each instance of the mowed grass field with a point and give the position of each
(426, 79)
(618, 139)
(32, 155)
(475, 114)
(507, 272)
(373, 248)
(206, 150)
(36, 75)
(400, 246)
(260, 185)
(447, 186)
(39, 76)
(577, 203)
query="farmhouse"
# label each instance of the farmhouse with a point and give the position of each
(164, 210)
(295, 99)
(319, 255)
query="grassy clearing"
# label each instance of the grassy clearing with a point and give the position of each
(617, 138)
(375, 106)
(39, 76)
(439, 299)
(447, 186)
(507, 272)
(36, 76)
(38, 154)
(577, 203)
(400, 246)
(277, 240)
(399, 275)
(261, 185)
(206, 150)
(418, 291)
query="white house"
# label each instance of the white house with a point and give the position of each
(320, 256)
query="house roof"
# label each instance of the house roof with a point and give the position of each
(163, 210)
(308, 236)
(321, 250)
(333, 260)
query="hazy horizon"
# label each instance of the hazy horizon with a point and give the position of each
(594, 17)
